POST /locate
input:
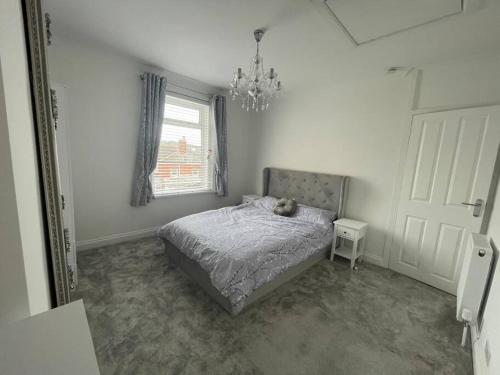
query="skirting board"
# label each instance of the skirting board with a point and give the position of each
(150, 232)
(115, 238)
(374, 259)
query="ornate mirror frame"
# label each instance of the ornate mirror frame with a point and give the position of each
(45, 112)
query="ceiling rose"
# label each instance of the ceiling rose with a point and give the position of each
(257, 88)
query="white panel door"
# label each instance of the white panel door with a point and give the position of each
(450, 161)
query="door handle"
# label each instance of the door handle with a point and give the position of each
(478, 205)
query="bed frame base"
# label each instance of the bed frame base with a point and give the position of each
(198, 274)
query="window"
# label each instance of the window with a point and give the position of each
(184, 164)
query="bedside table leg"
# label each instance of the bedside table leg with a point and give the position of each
(354, 253)
(334, 243)
(362, 250)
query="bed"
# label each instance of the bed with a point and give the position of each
(239, 254)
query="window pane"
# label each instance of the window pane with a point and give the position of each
(183, 163)
(176, 112)
(174, 133)
(180, 144)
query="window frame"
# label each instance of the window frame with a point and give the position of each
(210, 164)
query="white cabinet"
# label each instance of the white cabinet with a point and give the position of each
(354, 231)
(56, 342)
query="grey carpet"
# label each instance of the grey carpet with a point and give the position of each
(147, 317)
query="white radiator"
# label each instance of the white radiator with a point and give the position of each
(473, 278)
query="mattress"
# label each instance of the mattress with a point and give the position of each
(241, 249)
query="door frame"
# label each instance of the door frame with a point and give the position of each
(404, 141)
(37, 35)
(416, 79)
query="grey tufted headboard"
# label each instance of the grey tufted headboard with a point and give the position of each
(313, 189)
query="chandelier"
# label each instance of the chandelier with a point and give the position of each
(257, 88)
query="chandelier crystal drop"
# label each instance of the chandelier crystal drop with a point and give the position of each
(257, 88)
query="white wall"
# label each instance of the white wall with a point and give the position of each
(104, 95)
(13, 291)
(356, 127)
(21, 136)
(349, 129)
(471, 82)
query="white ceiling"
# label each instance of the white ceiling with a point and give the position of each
(208, 40)
(368, 19)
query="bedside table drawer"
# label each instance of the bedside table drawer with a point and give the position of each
(348, 233)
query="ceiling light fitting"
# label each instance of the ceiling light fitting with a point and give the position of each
(257, 88)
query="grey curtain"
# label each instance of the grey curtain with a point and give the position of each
(219, 130)
(153, 105)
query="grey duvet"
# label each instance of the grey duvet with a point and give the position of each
(243, 247)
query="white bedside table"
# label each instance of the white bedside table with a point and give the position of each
(352, 230)
(250, 197)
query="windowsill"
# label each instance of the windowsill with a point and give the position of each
(180, 193)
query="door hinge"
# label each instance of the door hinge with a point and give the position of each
(54, 108)
(63, 202)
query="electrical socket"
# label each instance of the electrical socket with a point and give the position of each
(487, 352)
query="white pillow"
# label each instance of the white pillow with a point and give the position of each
(315, 215)
(266, 202)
